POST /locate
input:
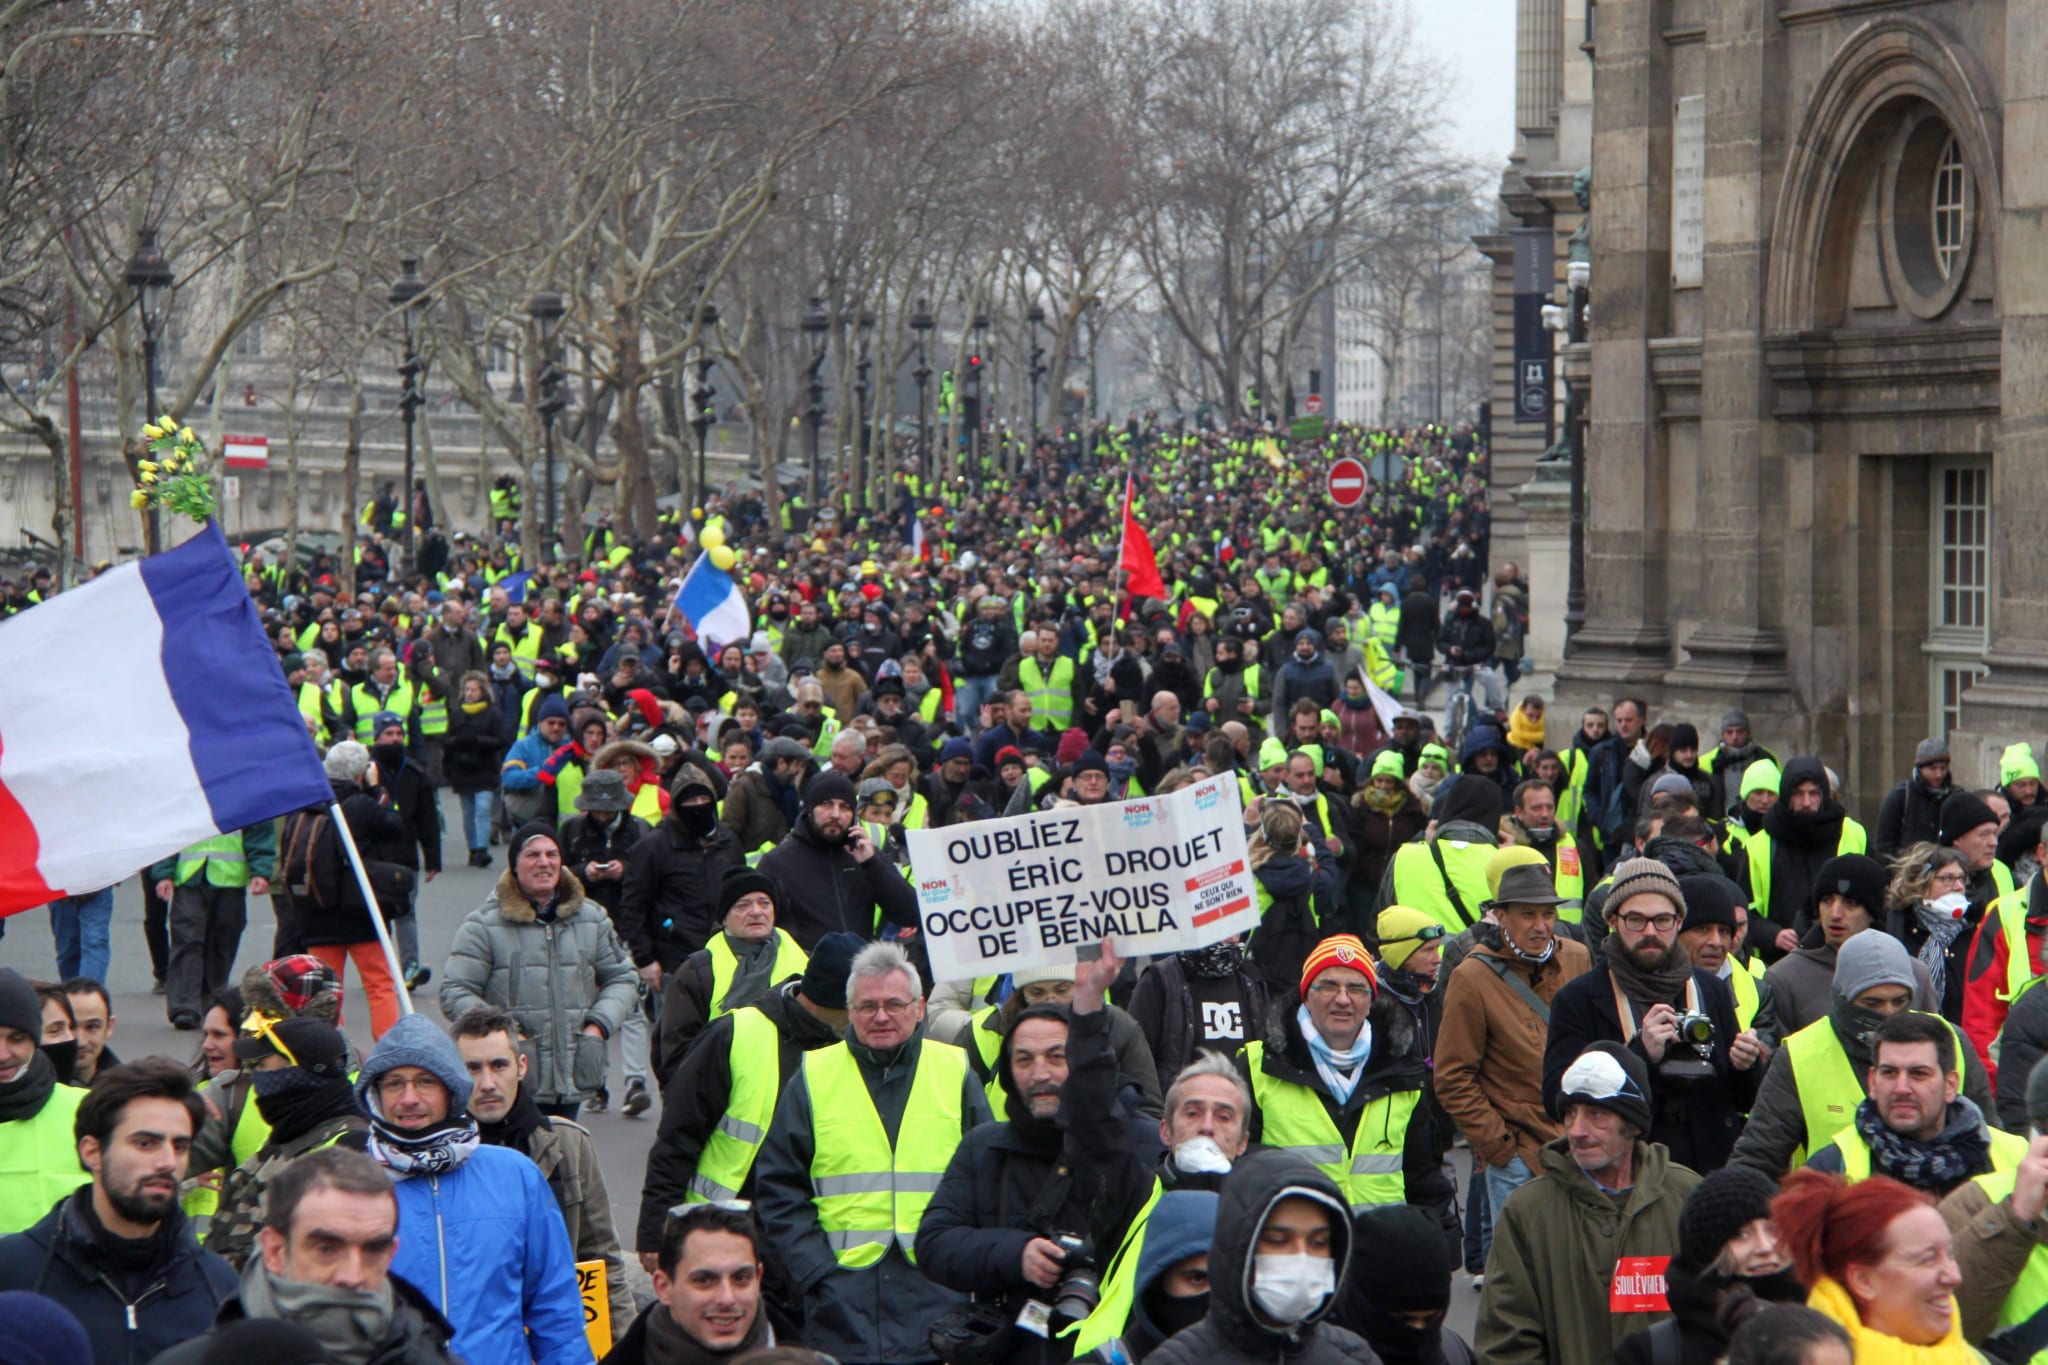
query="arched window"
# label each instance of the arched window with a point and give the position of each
(1949, 216)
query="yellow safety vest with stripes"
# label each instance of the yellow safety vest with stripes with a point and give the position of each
(1368, 1171)
(790, 960)
(870, 1195)
(729, 1153)
(1119, 1286)
(1759, 845)
(525, 648)
(2012, 925)
(223, 858)
(433, 712)
(1052, 697)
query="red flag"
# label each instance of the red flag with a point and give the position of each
(1140, 565)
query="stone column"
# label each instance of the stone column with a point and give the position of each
(2011, 702)
(1546, 504)
(1626, 643)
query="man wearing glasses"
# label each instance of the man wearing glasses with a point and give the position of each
(1340, 1083)
(1489, 1049)
(1646, 994)
(863, 1133)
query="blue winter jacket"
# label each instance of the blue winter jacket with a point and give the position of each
(524, 759)
(486, 1245)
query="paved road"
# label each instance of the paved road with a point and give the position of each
(143, 1029)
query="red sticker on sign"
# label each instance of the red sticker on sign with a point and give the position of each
(1567, 862)
(1639, 1285)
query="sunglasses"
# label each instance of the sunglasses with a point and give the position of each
(1429, 933)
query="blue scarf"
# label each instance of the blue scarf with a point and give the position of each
(1340, 1070)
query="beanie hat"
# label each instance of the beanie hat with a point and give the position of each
(1734, 716)
(1338, 950)
(1090, 762)
(1710, 898)
(1961, 813)
(39, 1331)
(1930, 751)
(1760, 776)
(830, 966)
(1856, 876)
(743, 881)
(1411, 1270)
(1073, 743)
(19, 1007)
(1390, 764)
(1868, 960)
(532, 829)
(1675, 784)
(829, 785)
(1033, 976)
(1609, 1075)
(1684, 735)
(2037, 1097)
(415, 1041)
(1399, 928)
(385, 720)
(551, 707)
(1637, 876)
(1007, 755)
(955, 747)
(2017, 762)
(1272, 754)
(1717, 1211)
(1501, 859)
(1315, 752)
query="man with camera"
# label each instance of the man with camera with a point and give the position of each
(1031, 1209)
(1646, 994)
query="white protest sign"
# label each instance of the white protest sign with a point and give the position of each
(1157, 875)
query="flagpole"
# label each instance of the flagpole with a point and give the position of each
(355, 860)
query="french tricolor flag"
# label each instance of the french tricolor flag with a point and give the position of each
(141, 713)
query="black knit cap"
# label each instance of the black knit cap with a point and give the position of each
(1710, 898)
(1855, 875)
(742, 881)
(1411, 1270)
(829, 785)
(19, 1007)
(532, 829)
(1718, 1209)
(1961, 813)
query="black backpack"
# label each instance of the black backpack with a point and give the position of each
(312, 863)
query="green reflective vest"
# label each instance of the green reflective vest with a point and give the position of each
(1829, 1088)
(1743, 985)
(525, 648)
(1571, 802)
(39, 1160)
(365, 705)
(754, 1061)
(1052, 696)
(1384, 620)
(251, 1136)
(1418, 885)
(433, 712)
(988, 1044)
(1119, 1286)
(790, 960)
(1570, 876)
(223, 858)
(2012, 924)
(1758, 846)
(1369, 1171)
(868, 1194)
(312, 705)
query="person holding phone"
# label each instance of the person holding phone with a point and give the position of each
(831, 877)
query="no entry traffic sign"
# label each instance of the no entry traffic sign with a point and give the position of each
(1346, 481)
(1312, 404)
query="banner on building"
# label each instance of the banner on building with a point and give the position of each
(1535, 272)
(1156, 875)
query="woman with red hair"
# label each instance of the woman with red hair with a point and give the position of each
(1875, 1257)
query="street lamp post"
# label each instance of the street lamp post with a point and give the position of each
(816, 323)
(861, 368)
(149, 275)
(921, 323)
(703, 395)
(546, 309)
(1036, 317)
(407, 296)
(976, 374)
(1579, 282)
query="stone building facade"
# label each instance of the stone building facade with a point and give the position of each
(1817, 454)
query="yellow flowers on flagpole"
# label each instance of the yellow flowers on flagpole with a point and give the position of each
(175, 479)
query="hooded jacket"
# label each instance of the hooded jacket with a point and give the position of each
(1911, 814)
(1182, 1224)
(1800, 845)
(554, 977)
(668, 906)
(1302, 890)
(1555, 1246)
(753, 810)
(1312, 677)
(130, 1314)
(824, 889)
(1482, 739)
(1803, 983)
(1233, 1331)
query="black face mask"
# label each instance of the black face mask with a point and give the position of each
(698, 820)
(63, 1059)
(388, 758)
(1170, 1314)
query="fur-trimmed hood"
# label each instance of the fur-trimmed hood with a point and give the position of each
(517, 909)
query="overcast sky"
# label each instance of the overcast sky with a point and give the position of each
(1474, 41)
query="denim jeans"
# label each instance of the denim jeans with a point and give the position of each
(968, 696)
(476, 817)
(82, 926)
(1502, 1181)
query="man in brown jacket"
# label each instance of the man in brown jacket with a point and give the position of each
(2001, 1240)
(1489, 1048)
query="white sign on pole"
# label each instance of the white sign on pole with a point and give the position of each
(230, 488)
(1689, 193)
(1157, 875)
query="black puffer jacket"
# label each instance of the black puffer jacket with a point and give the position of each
(1232, 1332)
(474, 750)
(668, 907)
(825, 890)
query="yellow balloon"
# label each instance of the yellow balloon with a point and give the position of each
(723, 557)
(697, 513)
(712, 538)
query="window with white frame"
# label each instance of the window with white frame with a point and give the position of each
(1960, 609)
(1949, 214)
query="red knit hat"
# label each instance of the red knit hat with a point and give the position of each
(1338, 950)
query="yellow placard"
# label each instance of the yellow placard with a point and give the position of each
(593, 1284)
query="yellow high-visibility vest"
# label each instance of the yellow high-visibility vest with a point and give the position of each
(870, 1195)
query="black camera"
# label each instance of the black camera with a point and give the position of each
(1079, 1288)
(1691, 1054)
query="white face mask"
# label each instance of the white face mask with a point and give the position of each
(1289, 1288)
(1954, 904)
(1201, 1156)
